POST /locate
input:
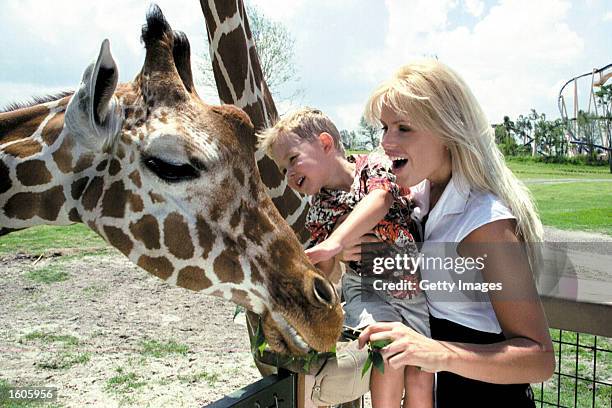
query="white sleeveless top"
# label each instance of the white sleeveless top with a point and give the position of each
(459, 211)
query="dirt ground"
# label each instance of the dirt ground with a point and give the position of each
(112, 335)
(108, 334)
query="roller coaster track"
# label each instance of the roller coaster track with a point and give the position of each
(570, 122)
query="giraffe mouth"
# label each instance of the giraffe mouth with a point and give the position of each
(290, 334)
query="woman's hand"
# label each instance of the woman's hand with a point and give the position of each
(408, 347)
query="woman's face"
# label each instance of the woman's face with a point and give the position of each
(416, 154)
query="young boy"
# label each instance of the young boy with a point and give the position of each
(351, 197)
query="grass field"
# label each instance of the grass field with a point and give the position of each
(526, 169)
(583, 204)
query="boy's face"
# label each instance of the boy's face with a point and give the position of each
(304, 162)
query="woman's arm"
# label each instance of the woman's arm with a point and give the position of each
(366, 214)
(527, 354)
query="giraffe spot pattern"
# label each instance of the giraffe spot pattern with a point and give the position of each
(114, 168)
(194, 278)
(63, 156)
(5, 180)
(227, 267)
(270, 175)
(115, 200)
(118, 239)
(135, 177)
(78, 186)
(146, 230)
(46, 204)
(23, 149)
(136, 204)
(255, 274)
(255, 225)
(84, 162)
(289, 202)
(92, 193)
(241, 297)
(33, 173)
(176, 236)
(74, 215)
(121, 152)
(102, 165)
(53, 129)
(158, 266)
(239, 174)
(232, 56)
(20, 125)
(235, 218)
(205, 236)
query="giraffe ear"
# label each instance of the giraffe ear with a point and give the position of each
(93, 114)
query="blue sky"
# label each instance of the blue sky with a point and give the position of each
(515, 54)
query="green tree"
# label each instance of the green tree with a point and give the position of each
(603, 98)
(348, 138)
(370, 133)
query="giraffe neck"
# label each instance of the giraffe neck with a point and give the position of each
(240, 82)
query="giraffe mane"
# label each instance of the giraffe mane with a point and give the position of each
(34, 100)
(156, 26)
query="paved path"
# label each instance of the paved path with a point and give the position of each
(588, 274)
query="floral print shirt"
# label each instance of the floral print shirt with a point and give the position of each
(371, 173)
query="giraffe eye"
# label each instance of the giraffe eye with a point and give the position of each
(170, 172)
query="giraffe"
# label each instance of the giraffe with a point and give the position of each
(169, 181)
(240, 82)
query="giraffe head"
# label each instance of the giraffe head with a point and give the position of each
(173, 184)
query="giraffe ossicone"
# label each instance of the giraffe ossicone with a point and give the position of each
(171, 182)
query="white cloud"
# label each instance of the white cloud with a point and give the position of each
(607, 16)
(474, 7)
(280, 10)
(347, 116)
(509, 57)
(53, 42)
(22, 92)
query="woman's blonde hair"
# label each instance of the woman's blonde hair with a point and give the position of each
(435, 98)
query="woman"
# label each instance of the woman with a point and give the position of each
(485, 352)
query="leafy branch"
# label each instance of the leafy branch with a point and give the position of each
(374, 356)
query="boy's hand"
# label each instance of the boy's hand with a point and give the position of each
(324, 251)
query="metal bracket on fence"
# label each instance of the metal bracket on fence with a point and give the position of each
(273, 391)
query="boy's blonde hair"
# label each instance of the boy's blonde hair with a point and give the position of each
(306, 123)
(435, 98)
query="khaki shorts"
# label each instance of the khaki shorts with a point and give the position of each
(340, 380)
(365, 306)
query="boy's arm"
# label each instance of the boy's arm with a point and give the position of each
(366, 214)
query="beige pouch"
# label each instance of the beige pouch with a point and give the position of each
(339, 380)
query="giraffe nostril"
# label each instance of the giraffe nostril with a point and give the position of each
(324, 291)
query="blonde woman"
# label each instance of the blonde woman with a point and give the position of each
(485, 348)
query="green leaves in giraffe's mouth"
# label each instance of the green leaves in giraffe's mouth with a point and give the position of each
(374, 356)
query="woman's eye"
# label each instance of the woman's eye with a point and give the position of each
(171, 172)
(292, 159)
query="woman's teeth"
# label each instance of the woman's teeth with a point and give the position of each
(398, 162)
(301, 181)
